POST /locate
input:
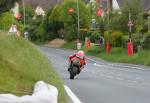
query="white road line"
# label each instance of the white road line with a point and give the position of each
(119, 78)
(146, 83)
(117, 65)
(72, 95)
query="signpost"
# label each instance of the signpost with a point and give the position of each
(99, 12)
(130, 45)
(71, 10)
(130, 24)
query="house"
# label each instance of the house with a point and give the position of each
(39, 11)
(145, 3)
(44, 5)
(117, 4)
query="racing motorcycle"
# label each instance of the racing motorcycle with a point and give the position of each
(74, 68)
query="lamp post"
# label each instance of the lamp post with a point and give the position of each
(78, 18)
(108, 26)
(24, 11)
(148, 21)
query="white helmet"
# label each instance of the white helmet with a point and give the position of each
(80, 54)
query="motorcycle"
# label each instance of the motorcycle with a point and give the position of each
(75, 68)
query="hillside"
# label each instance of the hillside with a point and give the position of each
(21, 65)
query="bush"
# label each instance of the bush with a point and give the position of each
(125, 41)
(85, 33)
(136, 38)
(94, 37)
(36, 33)
(6, 20)
(146, 41)
(116, 39)
(71, 33)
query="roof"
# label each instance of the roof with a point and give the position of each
(145, 3)
(45, 4)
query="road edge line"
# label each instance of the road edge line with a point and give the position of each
(72, 95)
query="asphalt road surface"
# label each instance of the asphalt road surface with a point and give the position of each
(102, 82)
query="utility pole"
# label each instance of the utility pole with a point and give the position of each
(24, 13)
(108, 18)
(130, 26)
(78, 18)
(148, 21)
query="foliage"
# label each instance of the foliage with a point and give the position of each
(70, 20)
(6, 19)
(115, 23)
(52, 23)
(20, 60)
(94, 37)
(36, 29)
(116, 39)
(107, 36)
(125, 40)
(85, 33)
(146, 41)
(29, 14)
(101, 24)
(119, 19)
(6, 5)
(136, 40)
(71, 32)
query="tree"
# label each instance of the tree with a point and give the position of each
(70, 20)
(6, 5)
(134, 8)
(29, 14)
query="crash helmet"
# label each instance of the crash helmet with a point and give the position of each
(80, 54)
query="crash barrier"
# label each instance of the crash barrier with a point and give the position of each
(42, 93)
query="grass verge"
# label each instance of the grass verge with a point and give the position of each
(116, 54)
(22, 65)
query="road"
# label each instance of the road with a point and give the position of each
(102, 82)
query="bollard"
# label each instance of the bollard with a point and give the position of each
(108, 48)
(130, 48)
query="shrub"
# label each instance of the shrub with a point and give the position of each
(116, 39)
(125, 41)
(6, 20)
(94, 37)
(36, 33)
(106, 36)
(146, 41)
(136, 38)
(71, 33)
(85, 33)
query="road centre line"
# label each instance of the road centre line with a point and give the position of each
(72, 95)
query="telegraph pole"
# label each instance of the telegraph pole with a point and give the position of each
(24, 13)
(78, 13)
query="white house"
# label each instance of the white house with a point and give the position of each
(39, 11)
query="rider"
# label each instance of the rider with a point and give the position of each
(79, 55)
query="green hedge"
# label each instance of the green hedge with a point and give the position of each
(6, 19)
(115, 38)
(94, 37)
(146, 41)
(85, 33)
(136, 40)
